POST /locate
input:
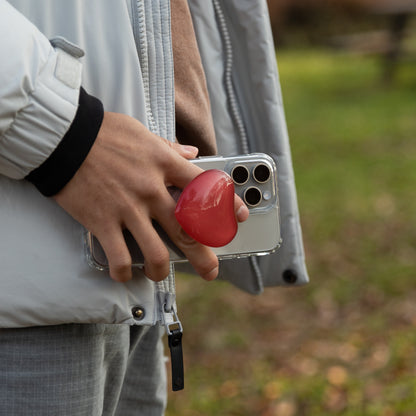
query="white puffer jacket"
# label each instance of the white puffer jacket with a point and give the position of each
(44, 277)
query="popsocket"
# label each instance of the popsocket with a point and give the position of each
(205, 209)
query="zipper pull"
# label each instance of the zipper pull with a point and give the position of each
(169, 318)
(176, 353)
(176, 358)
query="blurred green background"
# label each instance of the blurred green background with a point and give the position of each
(345, 343)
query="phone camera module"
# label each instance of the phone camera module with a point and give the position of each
(261, 173)
(240, 174)
(252, 196)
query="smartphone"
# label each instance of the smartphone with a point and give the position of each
(255, 182)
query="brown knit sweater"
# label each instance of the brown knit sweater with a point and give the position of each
(194, 123)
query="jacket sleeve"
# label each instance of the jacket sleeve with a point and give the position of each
(43, 109)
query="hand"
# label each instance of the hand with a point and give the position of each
(123, 184)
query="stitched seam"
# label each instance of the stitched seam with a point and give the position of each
(143, 55)
(232, 99)
(170, 81)
(163, 56)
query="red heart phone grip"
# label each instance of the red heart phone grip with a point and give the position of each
(205, 209)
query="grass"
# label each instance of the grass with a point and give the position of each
(344, 344)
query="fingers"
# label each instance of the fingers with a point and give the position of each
(156, 255)
(201, 257)
(153, 248)
(156, 265)
(117, 253)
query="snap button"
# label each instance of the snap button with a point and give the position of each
(290, 276)
(138, 313)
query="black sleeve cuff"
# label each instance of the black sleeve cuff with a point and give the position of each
(56, 171)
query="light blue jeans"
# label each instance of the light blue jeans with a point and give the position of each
(82, 370)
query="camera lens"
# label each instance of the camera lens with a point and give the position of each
(252, 196)
(240, 174)
(261, 173)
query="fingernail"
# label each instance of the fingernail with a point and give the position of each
(190, 149)
(242, 213)
(212, 274)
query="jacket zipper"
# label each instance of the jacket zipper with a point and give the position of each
(140, 37)
(165, 290)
